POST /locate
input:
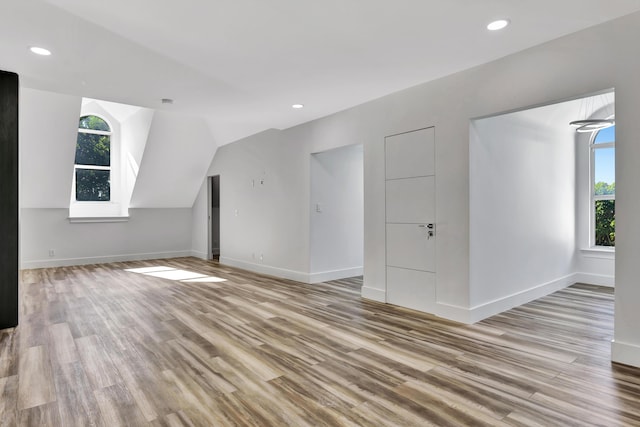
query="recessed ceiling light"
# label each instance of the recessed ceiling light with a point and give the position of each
(297, 106)
(498, 24)
(40, 51)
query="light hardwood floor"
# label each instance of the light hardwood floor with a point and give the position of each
(99, 345)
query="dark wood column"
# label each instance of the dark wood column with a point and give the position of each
(8, 200)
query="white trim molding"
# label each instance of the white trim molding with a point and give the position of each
(298, 276)
(599, 252)
(103, 259)
(198, 254)
(488, 309)
(500, 305)
(374, 294)
(454, 313)
(92, 219)
(595, 279)
(325, 276)
(625, 353)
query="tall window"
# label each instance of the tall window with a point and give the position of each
(92, 174)
(603, 184)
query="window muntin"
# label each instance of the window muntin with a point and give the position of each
(603, 187)
(92, 168)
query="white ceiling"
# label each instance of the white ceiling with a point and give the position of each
(242, 63)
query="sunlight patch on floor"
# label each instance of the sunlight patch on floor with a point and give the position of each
(205, 279)
(171, 273)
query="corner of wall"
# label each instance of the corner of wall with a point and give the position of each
(454, 313)
(595, 279)
(198, 254)
(373, 294)
(627, 354)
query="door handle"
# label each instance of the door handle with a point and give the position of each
(430, 229)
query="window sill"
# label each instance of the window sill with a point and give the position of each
(95, 219)
(599, 252)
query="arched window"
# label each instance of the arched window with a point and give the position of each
(603, 187)
(92, 169)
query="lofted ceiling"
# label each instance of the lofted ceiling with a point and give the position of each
(241, 64)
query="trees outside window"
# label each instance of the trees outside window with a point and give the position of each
(92, 169)
(603, 185)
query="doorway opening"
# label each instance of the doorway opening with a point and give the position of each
(213, 191)
(337, 214)
(541, 194)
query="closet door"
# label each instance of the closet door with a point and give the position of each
(410, 219)
(8, 200)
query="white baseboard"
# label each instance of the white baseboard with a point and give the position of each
(488, 309)
(482, 311)
(325, 276)
(453, 312)
(63, 262)
(625, 353)
(198, 254)
(298, 276)
(491, 308)
(595, 279)
(374, 294)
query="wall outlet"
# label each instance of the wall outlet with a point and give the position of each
(52, 253)
(237, 212)
(261, 257)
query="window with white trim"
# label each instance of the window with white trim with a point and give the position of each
(92, 166)
(603, 187)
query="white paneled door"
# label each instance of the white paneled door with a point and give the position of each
(410, 219)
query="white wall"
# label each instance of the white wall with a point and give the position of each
(337, 214)
(148, 234)
(199, 219)
(48, 133)
(522, 206)
(561, 69)
(626, 348)
(176, 157)
(133, 138)
(264, 204)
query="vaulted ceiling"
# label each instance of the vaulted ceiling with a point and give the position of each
(241, 64)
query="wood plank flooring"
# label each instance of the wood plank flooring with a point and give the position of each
(102, 346)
